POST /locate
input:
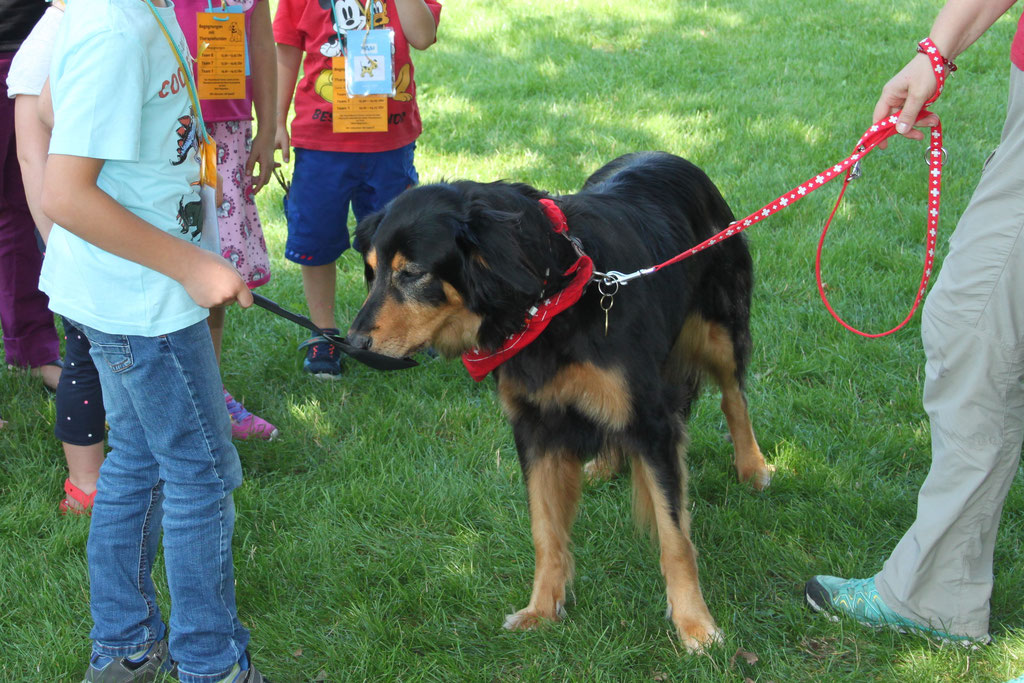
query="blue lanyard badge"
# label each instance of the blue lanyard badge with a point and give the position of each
(369, 62)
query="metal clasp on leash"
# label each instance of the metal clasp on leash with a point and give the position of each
(856, 172)
(614, 277)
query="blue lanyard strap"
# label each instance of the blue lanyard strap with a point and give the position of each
(368, 12)
(197, 109)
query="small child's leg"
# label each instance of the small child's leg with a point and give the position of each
(81, 420)
(317, 209)
(319, 283)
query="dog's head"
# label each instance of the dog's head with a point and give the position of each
(453, 266)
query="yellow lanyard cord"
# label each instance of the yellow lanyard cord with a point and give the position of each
(207, 147)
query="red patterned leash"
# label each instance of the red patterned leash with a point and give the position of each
(608, 283)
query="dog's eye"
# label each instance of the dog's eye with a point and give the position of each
(410, 275)
(368, 274)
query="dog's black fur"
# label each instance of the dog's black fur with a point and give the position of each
(457, 265)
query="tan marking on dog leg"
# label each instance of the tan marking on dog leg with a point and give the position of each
(510, 394)
(554, 491)
(709, 346)
(686, 607)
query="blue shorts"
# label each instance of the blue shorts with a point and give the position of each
(325, 183)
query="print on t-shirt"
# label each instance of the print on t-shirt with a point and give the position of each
(190, 213)
(350, 15)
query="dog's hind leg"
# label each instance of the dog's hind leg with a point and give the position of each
(711, 347)
(660, 501)
(606, 465)
(553, 486)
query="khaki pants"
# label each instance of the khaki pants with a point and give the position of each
(940, 573)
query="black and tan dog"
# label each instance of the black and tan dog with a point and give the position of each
(460, 266)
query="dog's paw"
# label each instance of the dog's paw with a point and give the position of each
(698, 638)
(530, 618)
(760, 478)
(598, 470)
(697, 633)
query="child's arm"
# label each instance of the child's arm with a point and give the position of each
(418, 23)
(74, 201)
(264, 92)
(33, 144)
(289, 58)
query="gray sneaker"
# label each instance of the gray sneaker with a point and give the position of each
(155, 665)
(251, 674)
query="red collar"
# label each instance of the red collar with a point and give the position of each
(479, 363)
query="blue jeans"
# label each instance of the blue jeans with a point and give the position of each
(171, 464)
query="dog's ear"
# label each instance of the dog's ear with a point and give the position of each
(365, 230)
(503, 276)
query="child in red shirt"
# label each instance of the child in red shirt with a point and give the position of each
(365, 160)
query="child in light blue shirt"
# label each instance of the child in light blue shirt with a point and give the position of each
(123, 263)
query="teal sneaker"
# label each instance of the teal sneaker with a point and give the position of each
(859, 600)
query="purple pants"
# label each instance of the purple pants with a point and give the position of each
(30, 338)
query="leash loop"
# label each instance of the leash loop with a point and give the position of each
(936, 156)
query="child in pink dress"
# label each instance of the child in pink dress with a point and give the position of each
(244, 162)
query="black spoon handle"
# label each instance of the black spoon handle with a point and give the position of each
(376, 361)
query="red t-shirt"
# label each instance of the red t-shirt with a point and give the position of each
(309, 26)
(1017, 49)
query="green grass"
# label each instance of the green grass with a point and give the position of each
(385, 534)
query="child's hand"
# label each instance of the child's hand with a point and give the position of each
(283, 143)
(212, 281)
(262, 153)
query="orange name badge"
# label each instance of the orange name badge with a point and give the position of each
(220, 67)
(367, 114)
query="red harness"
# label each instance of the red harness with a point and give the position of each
(479, 363)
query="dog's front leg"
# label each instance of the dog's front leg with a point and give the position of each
(553, 488)
(686, 606)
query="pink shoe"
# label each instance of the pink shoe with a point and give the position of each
(245, 425)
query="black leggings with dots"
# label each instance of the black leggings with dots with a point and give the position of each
(81, 420)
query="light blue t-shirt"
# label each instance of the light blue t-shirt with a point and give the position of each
(119, 95)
